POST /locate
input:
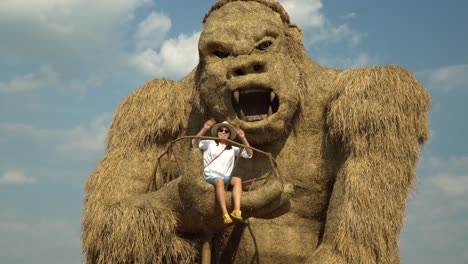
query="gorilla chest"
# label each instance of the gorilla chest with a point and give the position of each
(302, 161)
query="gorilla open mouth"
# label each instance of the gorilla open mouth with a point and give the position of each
(254, 104)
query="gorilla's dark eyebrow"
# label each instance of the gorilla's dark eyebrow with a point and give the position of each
(267, 32)
(217, 45)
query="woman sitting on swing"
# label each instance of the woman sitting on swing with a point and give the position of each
(218, 160)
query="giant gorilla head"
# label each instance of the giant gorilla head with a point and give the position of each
(246, 73)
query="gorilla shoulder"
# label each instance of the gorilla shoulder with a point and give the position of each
(377, 99)
(154, 113)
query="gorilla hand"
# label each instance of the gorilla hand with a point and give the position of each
(193, 200)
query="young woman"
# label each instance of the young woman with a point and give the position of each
(218, 160)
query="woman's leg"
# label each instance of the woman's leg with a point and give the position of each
(220, 195)
(236, 192)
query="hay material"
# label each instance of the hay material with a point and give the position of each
(160, 115)
(216, 76)
(128, 234)
(346, 142)
(379, 116)
(276, 7)
(119, 226)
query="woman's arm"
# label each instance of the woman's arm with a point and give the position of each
(208, 124)
(241, 134)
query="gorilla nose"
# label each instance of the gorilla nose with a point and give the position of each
(254, 67)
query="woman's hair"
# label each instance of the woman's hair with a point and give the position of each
(228, 145)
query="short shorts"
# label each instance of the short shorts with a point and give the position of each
(212, 179)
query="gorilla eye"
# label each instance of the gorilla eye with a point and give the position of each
(220, 54)
(264, 45)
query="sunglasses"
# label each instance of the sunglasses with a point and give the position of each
(224, 130)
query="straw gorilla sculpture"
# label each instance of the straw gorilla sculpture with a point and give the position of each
(346, 143)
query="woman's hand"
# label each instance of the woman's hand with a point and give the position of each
(208, 124)
(240, 132)
(206, 127)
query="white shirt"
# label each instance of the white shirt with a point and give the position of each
(223, 165)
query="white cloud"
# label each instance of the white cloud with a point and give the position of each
(359, 60)
(10, 130)
(176, 58)
(15, 177)
(449, 175)
(451, 184)
(447, 78)
(350, 16)
(84, 141)
(339, 34)
(308, 15)
(45, 76)
(152, 31)
(68, 16)
(35, 239)
(65, 32)
(456, 162)
(79, 143)
(362, 59)
(437, 213)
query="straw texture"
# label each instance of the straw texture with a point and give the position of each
(346, 143)
(120, 225)
(160, 115)
(379, 117)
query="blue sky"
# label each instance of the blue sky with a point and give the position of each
(66, 65)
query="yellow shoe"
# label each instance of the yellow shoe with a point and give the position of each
(227, 219)
(237, 215)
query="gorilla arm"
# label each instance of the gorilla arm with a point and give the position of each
(121, 223)
(378, 119)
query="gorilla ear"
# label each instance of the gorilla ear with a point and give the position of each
(296, 32)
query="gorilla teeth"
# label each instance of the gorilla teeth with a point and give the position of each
(254, 104)
(236, 95)
(242, 115)
(255, 118)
